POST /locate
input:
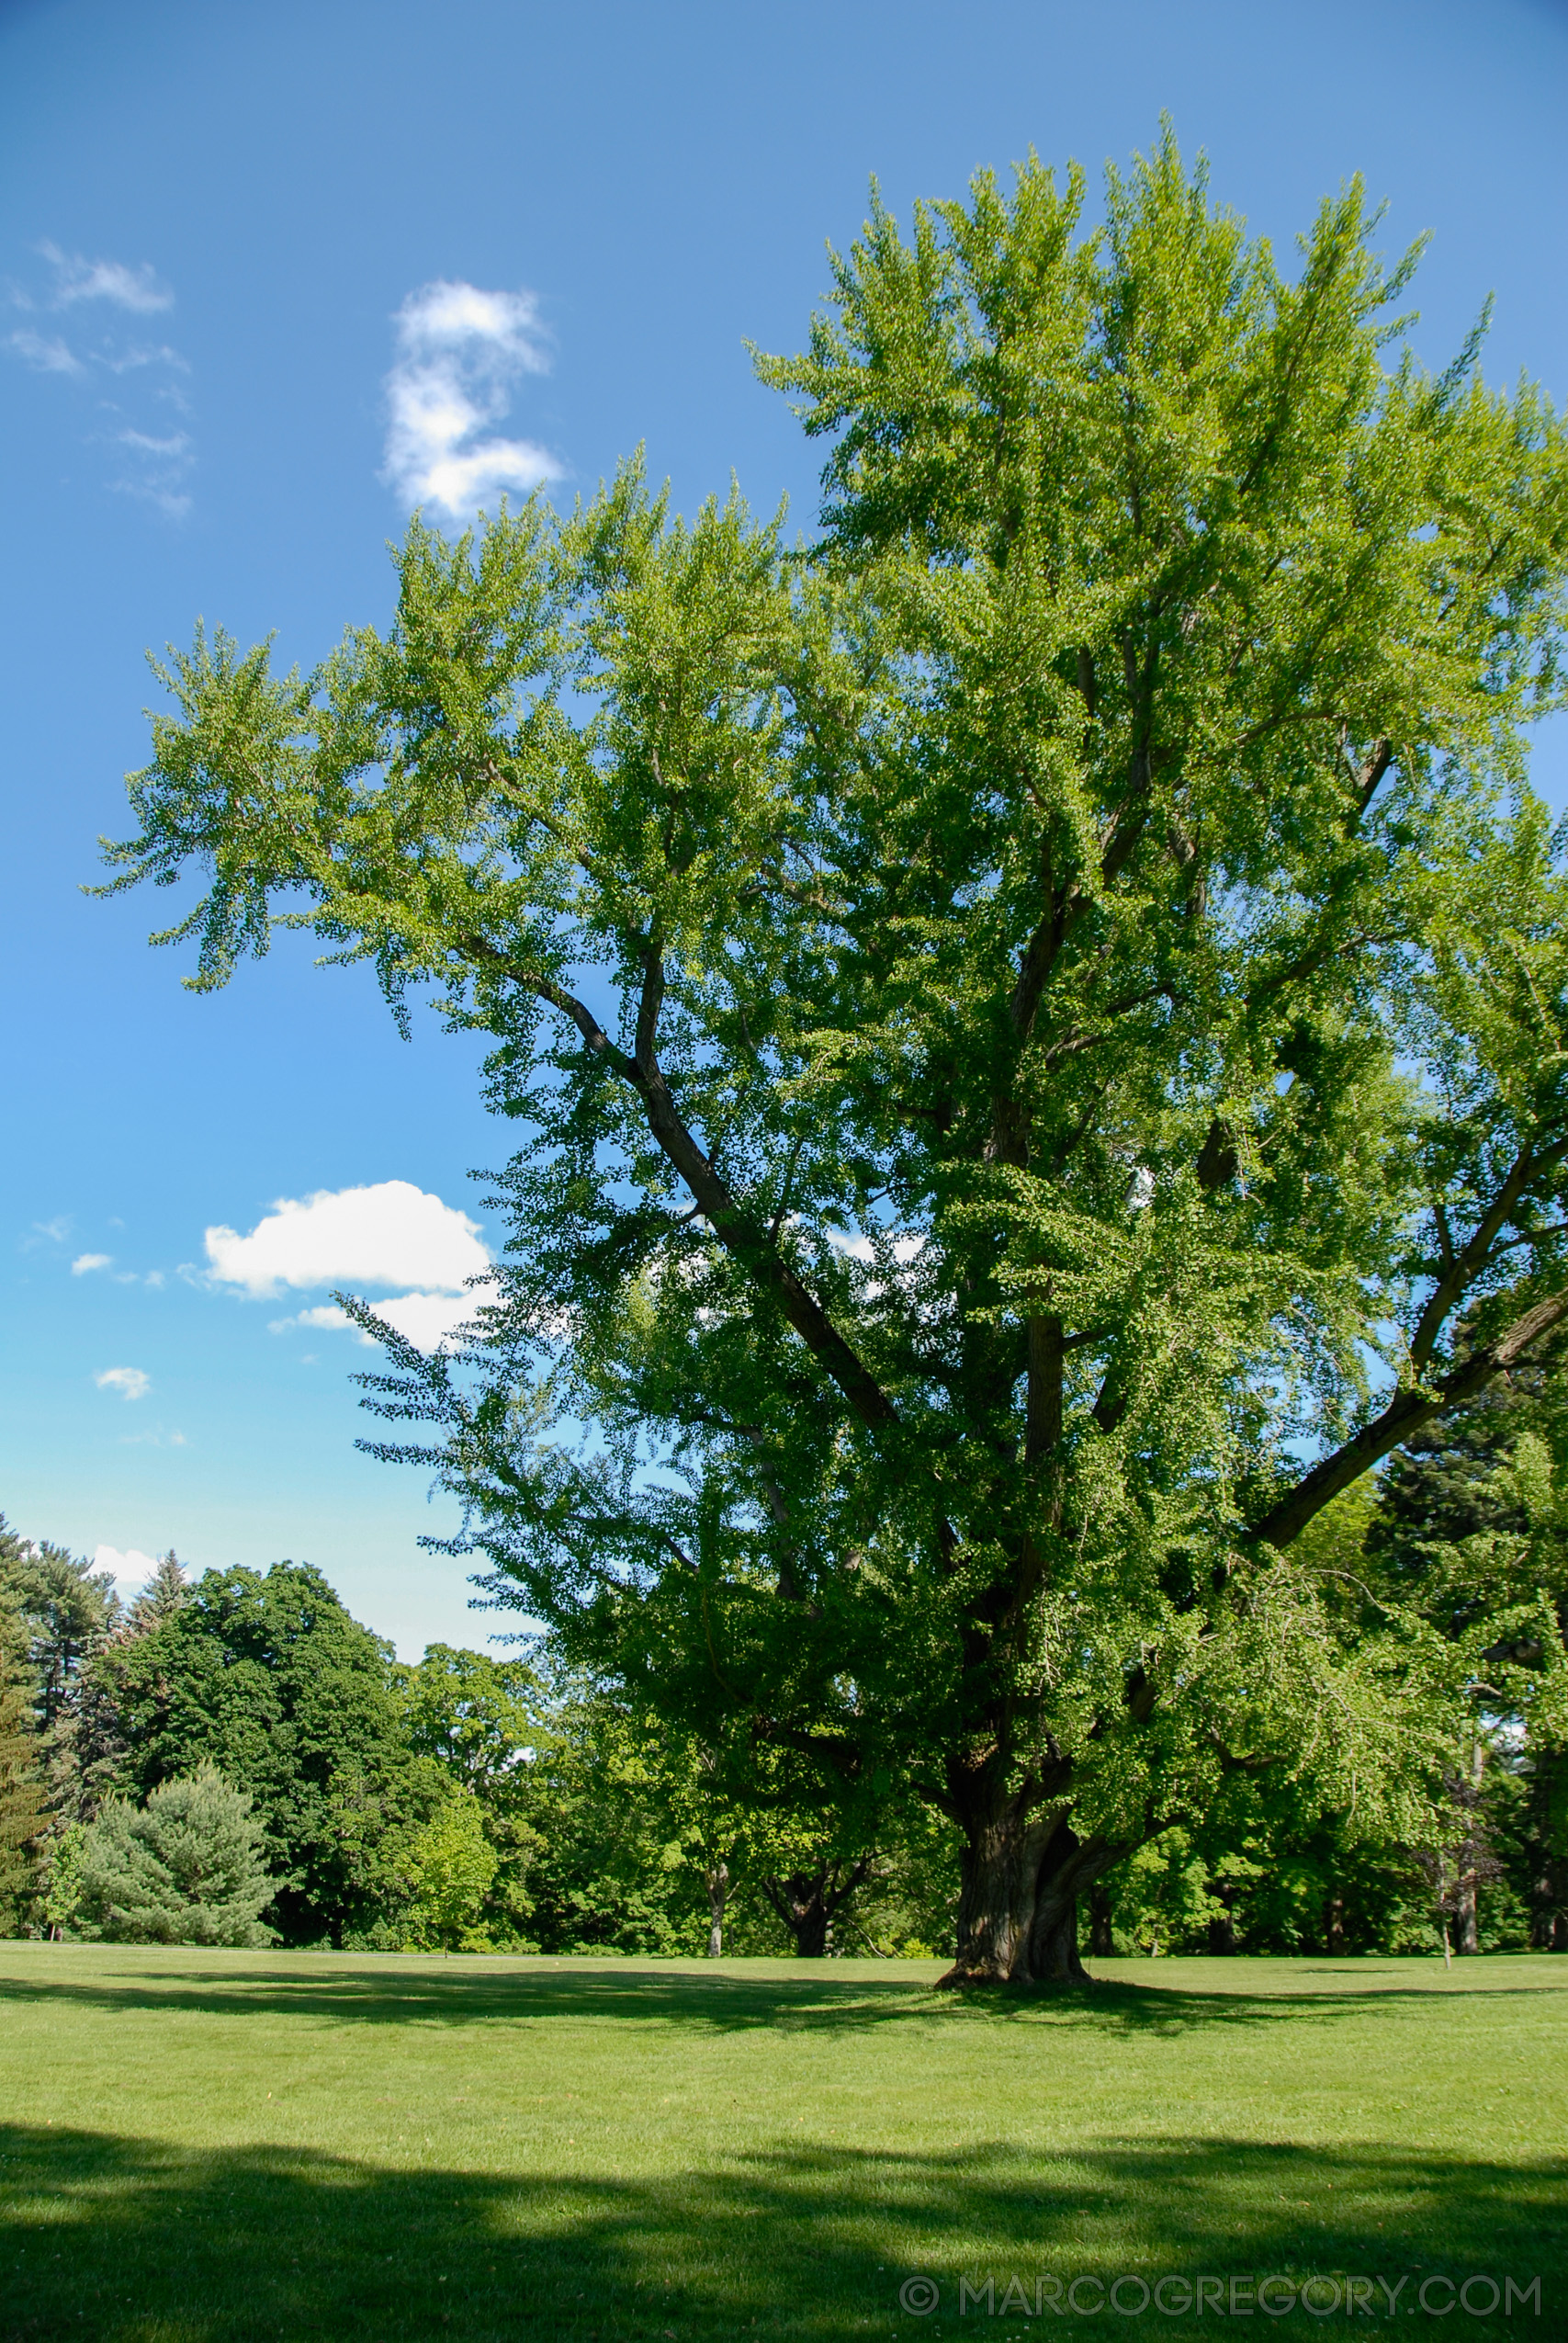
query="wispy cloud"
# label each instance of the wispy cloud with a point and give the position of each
(45, 352)
(79, 279)
(85, 1262)
(131, 1383)
(139, 384)
(459, 351)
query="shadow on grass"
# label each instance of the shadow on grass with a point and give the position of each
(126, 2241)
(708, 2001)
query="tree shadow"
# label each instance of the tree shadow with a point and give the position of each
(364, 1991)
(131, 2241)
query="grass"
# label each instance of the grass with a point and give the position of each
(209, 2147)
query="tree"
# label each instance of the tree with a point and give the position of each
(268, 1677)
(1033, 1016)
(166, 1591)
(187, 1868)
(22, 1816)
(1471, 1531)
(87, 1745)
(483, 1721)
(454, 1867)
(70, 1609)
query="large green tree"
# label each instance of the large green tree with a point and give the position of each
(265, 1676)
(1039, 1019)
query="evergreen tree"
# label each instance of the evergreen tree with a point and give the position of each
(165, 1592)
(22, 1813)
(71, 1611)
(187, 1868)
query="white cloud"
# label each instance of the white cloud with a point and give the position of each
(459, 351)
(132, 1568)
(78, 280)
(388, 1234)
(131, 1383)
(95, 347)
(84, 1261)
(46, 352)
(427, 1320)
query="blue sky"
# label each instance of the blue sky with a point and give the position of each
(219, 228)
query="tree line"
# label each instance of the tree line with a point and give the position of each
(237, 1760)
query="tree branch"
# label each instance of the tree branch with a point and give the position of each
(1405, 1413)
(739, 1234)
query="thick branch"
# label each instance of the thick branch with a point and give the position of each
(731, 1224)
(1405, 1414)
(1463, 1268)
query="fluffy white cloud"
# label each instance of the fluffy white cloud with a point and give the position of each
(427, 1320)
(132, 1568)
(388, 1234)
(459, 351)
(131, 1383)
(78, 280)
(84, 1261)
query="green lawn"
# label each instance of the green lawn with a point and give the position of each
(244, 2145)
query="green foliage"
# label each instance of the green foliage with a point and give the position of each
(186, 1868)
(455, 1867)
(21, 1782)
(269, 1677)
(1028, 1020)
(68, 1609)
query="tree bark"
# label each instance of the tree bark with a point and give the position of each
(1101, 1943)
(1023, 1871)
(1222, 1928)
(806, 1900)
(1333, 1923)
(718, 1890)
(1471, 1858)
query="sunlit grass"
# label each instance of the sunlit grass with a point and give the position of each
(200, 2147)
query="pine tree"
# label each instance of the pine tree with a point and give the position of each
(166, 1591)
(21, 1785)
(184, 1869)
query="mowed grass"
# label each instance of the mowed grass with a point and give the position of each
(198, 2147)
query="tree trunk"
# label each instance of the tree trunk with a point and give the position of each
(1222, 1928)
(1467, 1918)
(1018, 1913)
(719, 1889)
(1334, 1924)
(1101, 1941)
(807, 1901)
(1549, 1881)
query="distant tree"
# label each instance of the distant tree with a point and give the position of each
(87, 1745)
(71, 1610)
(187, 1868)
(22, 1812)
(484, 1722)
(166, 1591)
(454, 1865)
(268, 1677)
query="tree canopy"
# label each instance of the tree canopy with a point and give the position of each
(265, 1677)
(1037, 1017)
